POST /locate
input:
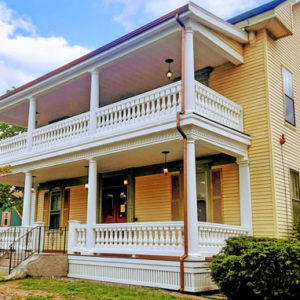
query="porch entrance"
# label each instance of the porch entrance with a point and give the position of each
(114, 205)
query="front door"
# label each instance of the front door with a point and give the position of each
(115, 205)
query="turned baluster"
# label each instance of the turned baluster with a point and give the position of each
(161, 236)
(129, 237)
(147, 114)
(134, 236)
(140, 236)
(167, 230)
(145, 236)
(173, 240)
(150, 240)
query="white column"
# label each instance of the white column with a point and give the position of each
(31, 122)
(91, 204)
(245, 195)
(189, 70)
(192, 214)
(94, 101)
(33, 206)
(27, 200)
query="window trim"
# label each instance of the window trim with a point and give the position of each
(292, 192)
(283, 68)
(56, 189)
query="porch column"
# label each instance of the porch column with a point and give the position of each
(193, 243)
(33, 206)
(27, 200)
(189, 69)
(94, 101)
(245, 195)
(91, 204)
(31, 122)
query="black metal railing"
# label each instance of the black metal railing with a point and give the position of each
(24, 246)
(55, 239)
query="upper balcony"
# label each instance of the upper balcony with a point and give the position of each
(121, 90)
(147, 109)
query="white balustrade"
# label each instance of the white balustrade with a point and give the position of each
(212, 236)
(80, 237)
(216, 107)
(144, 109)
(154, 105)
(62, 131)
(13, 145)
(11, 234)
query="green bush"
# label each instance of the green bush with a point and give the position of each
(258, 268)
(297, 229)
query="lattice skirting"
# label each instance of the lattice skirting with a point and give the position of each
(152, 273)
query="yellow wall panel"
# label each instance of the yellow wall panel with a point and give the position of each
(78, 203)
(40, 206)
(153, 198)
(284, 52)
(247, 85)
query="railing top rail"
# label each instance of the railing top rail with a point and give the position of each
(221, 226)
(238, 107)
(64, 122)
(142, 224)
(143, 95)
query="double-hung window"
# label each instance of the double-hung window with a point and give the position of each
(295, 185)
(288, 96)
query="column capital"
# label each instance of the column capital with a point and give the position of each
(94, 72)
(243, 162)
(190, 140)
(92, 160)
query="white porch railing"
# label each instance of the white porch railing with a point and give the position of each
(216, 107)
(153, 106)
(212, 236)
(13, 145)
(155, 238)
(62, 131)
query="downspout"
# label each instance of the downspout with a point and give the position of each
(185, 226)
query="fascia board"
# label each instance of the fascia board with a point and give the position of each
(218, 24)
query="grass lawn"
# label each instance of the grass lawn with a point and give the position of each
(41, 288)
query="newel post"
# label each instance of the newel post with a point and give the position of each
(94, 101)
(245, 195)
(72, 238)
(31, 122)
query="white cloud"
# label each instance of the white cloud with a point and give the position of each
(24, 55)
(134, 13)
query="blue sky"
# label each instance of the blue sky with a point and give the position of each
(37, 36)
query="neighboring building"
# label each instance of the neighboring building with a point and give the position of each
(10, 218)
(115, 111)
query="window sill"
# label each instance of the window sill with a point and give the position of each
(290, 126)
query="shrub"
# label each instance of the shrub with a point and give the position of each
(297, 229)
(258, 268)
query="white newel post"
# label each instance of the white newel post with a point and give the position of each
(189, 88)
(33, 206)
(31, 122)
(72, 239)
(245, 195)
(94, 101)
(41, 234)
(193, 242)
(27, 200)
(91, 205)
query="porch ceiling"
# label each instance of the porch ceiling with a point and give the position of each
(144, 156)
(132, 74)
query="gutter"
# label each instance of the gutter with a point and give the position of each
(180, 130)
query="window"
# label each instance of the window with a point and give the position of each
(5, 219)
(202, 196)
(55, 208)
(295, 193)
(288, 96)
(217, 205)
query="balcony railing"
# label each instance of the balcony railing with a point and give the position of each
(153, 106)
(155, 238)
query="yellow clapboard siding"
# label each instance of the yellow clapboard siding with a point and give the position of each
(230, 194)
(284, 52)
(246, 85)
(153, 196)
(40, 206)
(78, 203)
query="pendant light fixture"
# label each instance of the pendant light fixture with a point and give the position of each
(32, 188)
(87, 184)
(165, 153)
(169, 73)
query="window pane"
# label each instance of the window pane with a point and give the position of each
(295, 185)
(296, 209)
(289, 110)
(201, 207)
(288, 83)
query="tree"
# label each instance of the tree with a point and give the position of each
(10, 196)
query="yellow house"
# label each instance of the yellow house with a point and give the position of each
(141, 158)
